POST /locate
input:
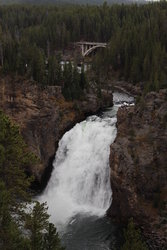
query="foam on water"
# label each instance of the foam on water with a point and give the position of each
(80, 182)
(80, 179)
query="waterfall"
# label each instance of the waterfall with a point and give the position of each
(80, 182)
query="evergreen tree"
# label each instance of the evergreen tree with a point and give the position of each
(83, 80)
(133, 238)
(67, 81)
(51, 239)
(38, 71)
(54, 71)
(10, 236)
(146, 67)
(15, 158)
(75, 84)
(14, 218)
(1, 47)
(136, 37)
(37, 223)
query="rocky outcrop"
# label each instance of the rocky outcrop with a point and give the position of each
(138, 162)
(128, 88)
(44, 116)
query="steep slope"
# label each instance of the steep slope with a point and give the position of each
(138, 162)
(43, 116)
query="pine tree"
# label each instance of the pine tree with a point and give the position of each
(83, 80)
(135, 73)
(51, 239)
(15, 158)
(37, 223)
(75, 84)
(133, 238)
(54, 71)
(11, 237)
(146, 68)
(1, 46)
(14, 218)
(38, 67)
(67, 79)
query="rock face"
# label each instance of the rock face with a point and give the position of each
(44, 116)
(138, 162)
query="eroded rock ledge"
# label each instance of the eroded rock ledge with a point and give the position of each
(138, 162)
(44, 116)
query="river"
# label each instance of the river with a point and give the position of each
(79, 193)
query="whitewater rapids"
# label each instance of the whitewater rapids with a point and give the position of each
(80, 182)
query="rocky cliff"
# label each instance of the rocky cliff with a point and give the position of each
(44, 116)
(138, 162)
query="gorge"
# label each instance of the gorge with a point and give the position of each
(79, 193)
(44, 116)
(67, 135)
(138, 167)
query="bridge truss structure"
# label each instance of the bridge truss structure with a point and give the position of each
(88, 47)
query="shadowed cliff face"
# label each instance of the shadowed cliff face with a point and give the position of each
(138, 161)
(43, 115)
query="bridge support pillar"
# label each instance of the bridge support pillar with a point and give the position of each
(82, 47)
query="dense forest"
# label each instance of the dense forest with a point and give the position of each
(92, 2)
(23, 224)
(136, 35)
(32, 39)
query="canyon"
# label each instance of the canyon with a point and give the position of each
(137, 156)
(43, 116)
(138, 163)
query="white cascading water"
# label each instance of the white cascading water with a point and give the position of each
(80, 180)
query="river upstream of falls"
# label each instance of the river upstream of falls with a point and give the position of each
(79, 193)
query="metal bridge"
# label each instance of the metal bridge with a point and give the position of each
(88, 47)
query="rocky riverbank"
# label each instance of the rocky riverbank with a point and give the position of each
(44, 116)
(138, 161)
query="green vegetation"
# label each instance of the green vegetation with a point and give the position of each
(20, 228)
(137, 49)
(73, 82)
(136, 34)
(133, 238)
(60, 2)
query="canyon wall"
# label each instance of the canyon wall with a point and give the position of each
(44, 116)
(138, 161)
